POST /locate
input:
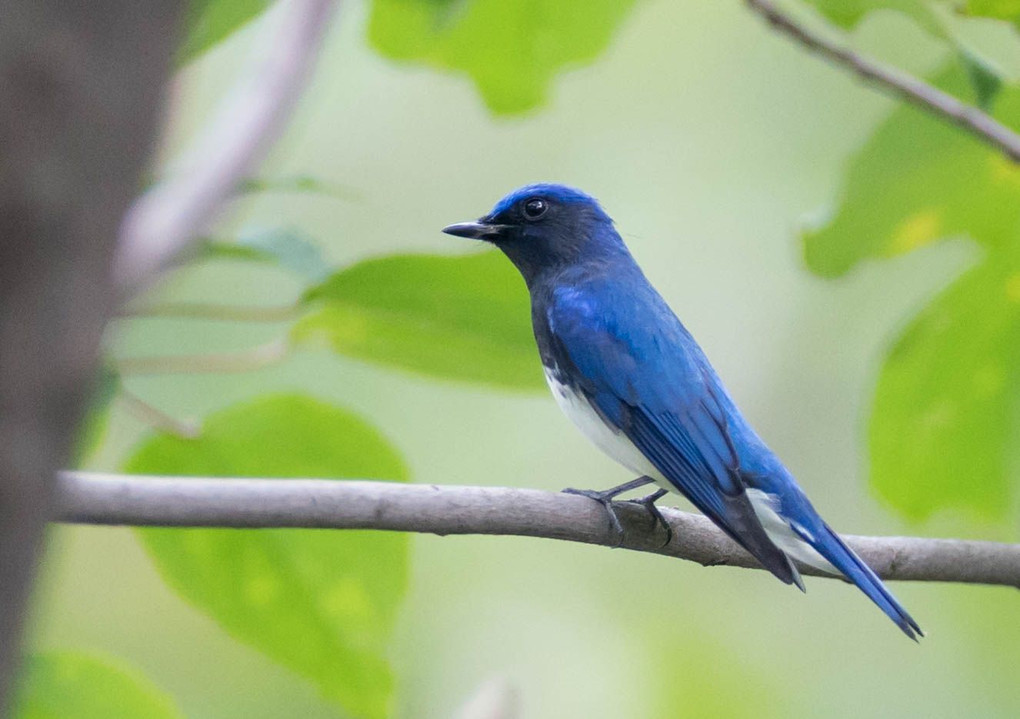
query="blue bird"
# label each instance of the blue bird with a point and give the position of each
(632, 378)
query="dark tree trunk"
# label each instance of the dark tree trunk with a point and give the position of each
(80, 91)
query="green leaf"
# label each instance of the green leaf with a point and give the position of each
(762, 693)
(511, 50)
(220, 249)
(998, 9)
(985, 77)
(943, 418)
(462, 317)
(297, 183)
(321, 603)
(282, 246)
(92, 429)
(919, 179)
(848, 13)
(66, 685)
(210, 21)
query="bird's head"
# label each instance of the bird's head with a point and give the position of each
(545, 226)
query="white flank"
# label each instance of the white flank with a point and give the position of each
(615, 444)
(607, 438)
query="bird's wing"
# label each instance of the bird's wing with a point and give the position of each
(636, 364)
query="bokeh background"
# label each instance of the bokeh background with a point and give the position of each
(709, 140)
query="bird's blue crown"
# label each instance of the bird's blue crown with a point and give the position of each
(550, 191)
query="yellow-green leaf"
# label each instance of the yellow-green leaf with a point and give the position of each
(848, 13)
(458, 317)
(999, 9)
(511, 50)
(943, 420)
(919, 179)
(71, 685)
(210, 21)
(322, 603)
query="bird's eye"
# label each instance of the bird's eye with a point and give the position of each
(535, 208)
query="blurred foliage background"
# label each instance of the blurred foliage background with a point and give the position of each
(851, 266)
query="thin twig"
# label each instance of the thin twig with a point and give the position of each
(899, 83)
(155, 417)
(204, 502)
(165, 220)
(215, 312)
(224, 362)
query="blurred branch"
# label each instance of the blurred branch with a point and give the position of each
(155, 417)
(227, 362)
(166, 219)
(495, 698)
(907, 87)
(203, 502)
(215, 312)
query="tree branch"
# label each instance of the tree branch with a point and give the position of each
(915, 91)
(214, 312)
(155, 417)
(199, 502)
(248, 360)
(165, 220)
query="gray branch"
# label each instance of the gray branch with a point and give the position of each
(108, 499)
(907, 87)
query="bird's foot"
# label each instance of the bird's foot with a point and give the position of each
(649, 504)
(605, 498)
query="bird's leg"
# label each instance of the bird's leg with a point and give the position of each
(649, 504)
(605, 498)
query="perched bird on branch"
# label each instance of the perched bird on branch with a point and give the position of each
(631, 377)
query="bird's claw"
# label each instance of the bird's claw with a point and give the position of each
(648, 503)
(605, 498)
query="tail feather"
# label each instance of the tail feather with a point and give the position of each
(835, 550)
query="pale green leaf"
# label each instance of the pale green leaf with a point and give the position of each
(683, 682)
(919, 179)
(71, 685)
(985, 77)
(459, 317)
(943, 420)
(321, 603)
(285, 247)
(510, 50)
(848, 13)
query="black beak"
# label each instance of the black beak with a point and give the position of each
(477, 230)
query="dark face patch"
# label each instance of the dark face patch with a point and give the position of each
(542, 227)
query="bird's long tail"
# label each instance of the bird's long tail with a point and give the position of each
(834, 549)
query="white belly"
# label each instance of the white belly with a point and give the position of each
(610, 440)
(615, 444)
